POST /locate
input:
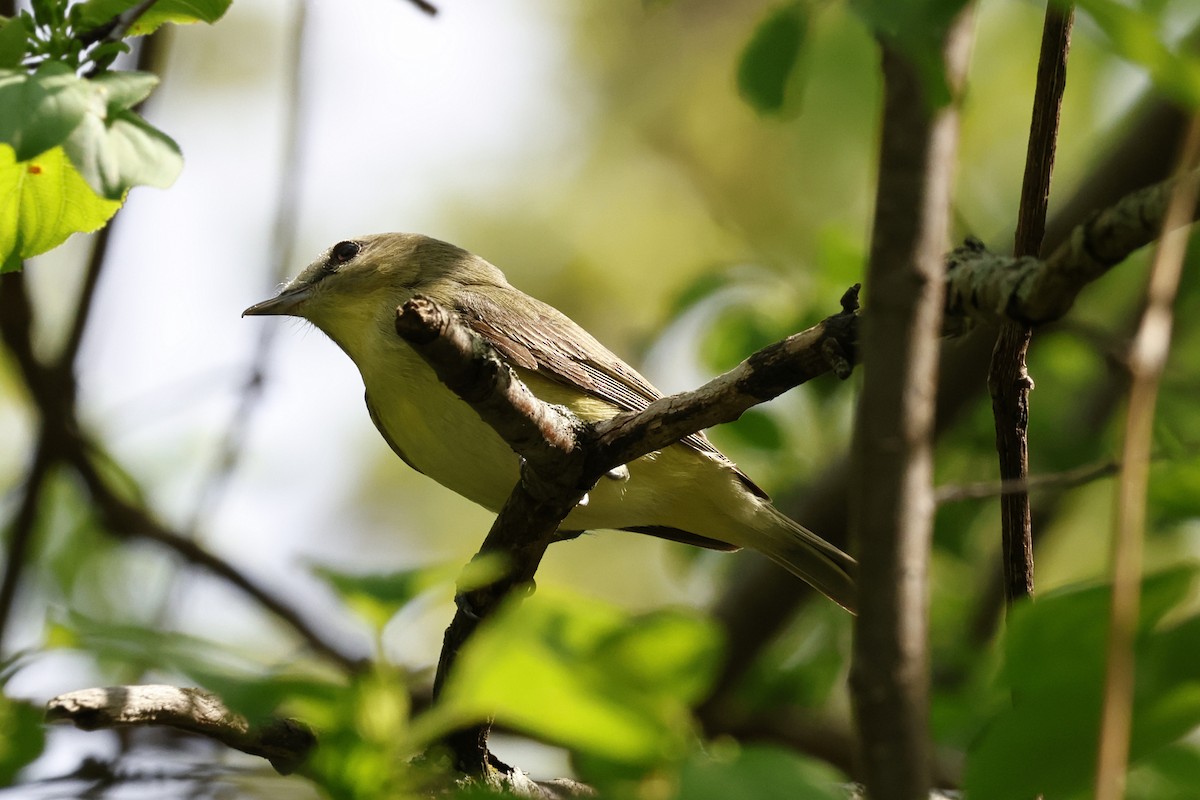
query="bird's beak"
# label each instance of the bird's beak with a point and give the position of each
(286, 302)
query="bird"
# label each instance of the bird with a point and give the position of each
(687, 492)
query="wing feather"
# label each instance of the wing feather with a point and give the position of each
(550, 343)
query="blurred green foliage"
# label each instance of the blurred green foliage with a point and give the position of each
(1054, 670)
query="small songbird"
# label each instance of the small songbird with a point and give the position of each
(688, 492)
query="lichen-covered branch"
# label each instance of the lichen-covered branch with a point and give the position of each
(286, 743)
(983, 285)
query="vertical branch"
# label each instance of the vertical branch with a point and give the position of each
(1008, 379)
(1147, 358)
(16, 323)
(283, 242)
(891, 511)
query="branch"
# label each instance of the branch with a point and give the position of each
(891, 503)
(829, 346)
(125, 519)
(1067, 479)
(286, 743)
(1148, 358)
(982, 285)
(563, 458)
(115, 29)
(288, 193)
(757, 605)
(52, 391)
(424, 5)
(1008, 379)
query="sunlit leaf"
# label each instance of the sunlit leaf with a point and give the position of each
(256, 696)
(667, 655)
(379, 596)
(582, 674)
(94, 13)
(42, 202)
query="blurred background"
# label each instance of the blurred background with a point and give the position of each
(600, 155)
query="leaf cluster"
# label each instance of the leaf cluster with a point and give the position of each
(71, 140)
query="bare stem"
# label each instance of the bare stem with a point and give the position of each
(1148, 356)
(1008, 379)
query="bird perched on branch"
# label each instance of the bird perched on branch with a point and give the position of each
(688, 492)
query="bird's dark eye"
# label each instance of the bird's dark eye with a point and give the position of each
(343, 252)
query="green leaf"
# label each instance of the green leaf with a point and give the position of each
(1135, 35)
(757, 428)
(769, 60)
(586, 676)
(48, 12)
(259, 696)
(1055, 666)
(377, 597)
(700, 288)
(761, 771)
(120, 150)
(14, 36)
(124, 90)
(1173, 773)
(38, 111)
(115, 149)
(96, 13)
(23, 740)
(42, 202)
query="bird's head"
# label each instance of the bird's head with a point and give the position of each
(354, 287)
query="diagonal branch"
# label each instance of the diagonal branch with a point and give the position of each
(563, 458)
(125, 519)
(52, 391)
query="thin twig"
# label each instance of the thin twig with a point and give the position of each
(115, 29)
(20, 533)
(426, 6)
(16, 323)
(283, 241)
(127, 519)
(1068, 479)
(1148, 356)
(1008, 379)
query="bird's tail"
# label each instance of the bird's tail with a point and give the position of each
(807, 556)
